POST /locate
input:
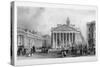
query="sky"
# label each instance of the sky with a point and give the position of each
(42, 19)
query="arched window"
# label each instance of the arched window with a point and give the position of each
(20, 40)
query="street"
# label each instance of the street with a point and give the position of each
(40, 55)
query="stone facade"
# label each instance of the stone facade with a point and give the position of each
(91, 34)
(65, 35)
(28, 39)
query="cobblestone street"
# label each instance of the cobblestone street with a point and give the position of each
(40, 55)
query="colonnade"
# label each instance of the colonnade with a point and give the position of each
(62, 39)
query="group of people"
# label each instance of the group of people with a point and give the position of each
(81, 50)
(21, 51)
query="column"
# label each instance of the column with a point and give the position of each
(72, 37)
(63, 39)
(66, 39)
(53, 40)
(69, 37)
(59, 39)
(24, 39)
(56, 40)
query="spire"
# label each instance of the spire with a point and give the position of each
(68, 21)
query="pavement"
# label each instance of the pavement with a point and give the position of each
(39, 55)
(43, 55)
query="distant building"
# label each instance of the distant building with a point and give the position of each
(28, 39)
(91, 34)
(47, 41)
(65, 35)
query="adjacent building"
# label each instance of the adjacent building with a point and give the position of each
(91, 34)
(47, 41)
(28, 39)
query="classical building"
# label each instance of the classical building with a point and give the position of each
(65, 35)
(28, 39)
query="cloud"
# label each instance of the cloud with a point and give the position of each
(28, 17)
(42, 19)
